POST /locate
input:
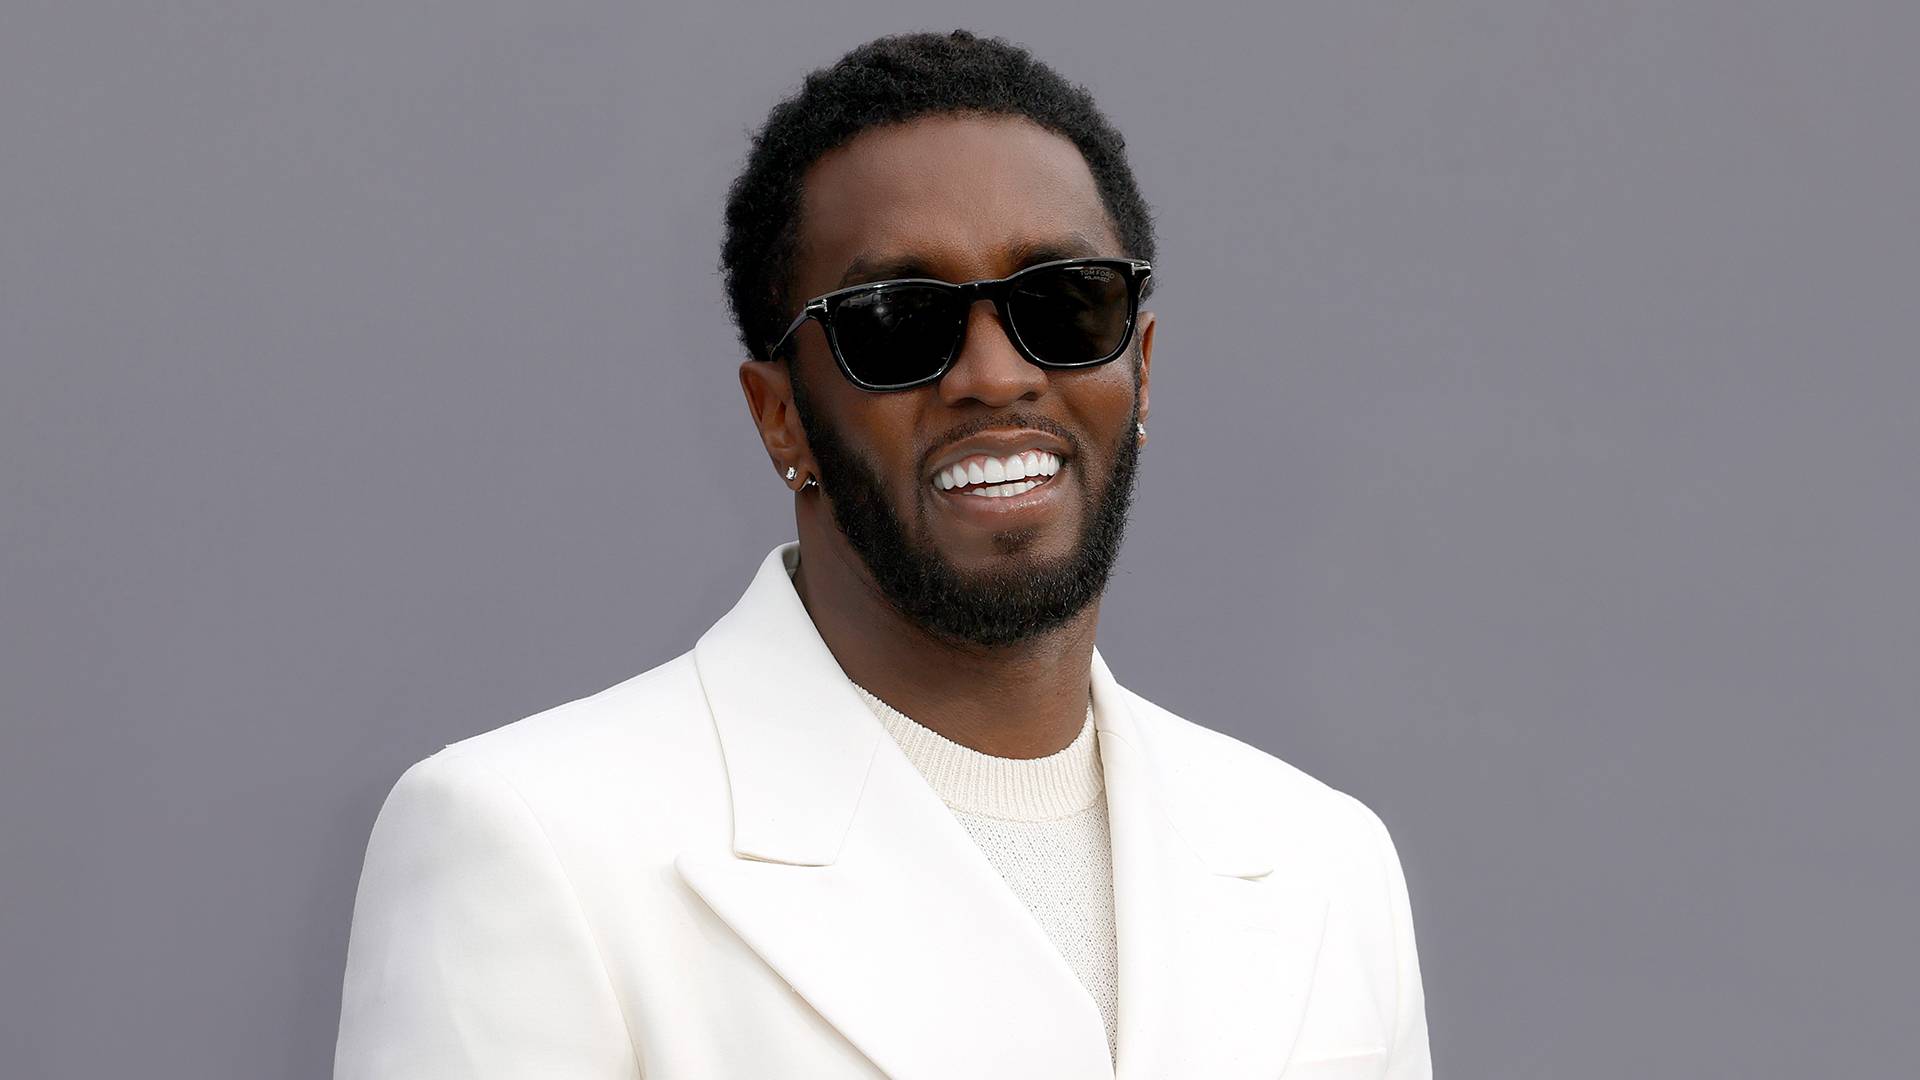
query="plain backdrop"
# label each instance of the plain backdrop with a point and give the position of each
(1534, 456)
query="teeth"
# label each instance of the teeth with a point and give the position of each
(1004, 473)
(1001, 491)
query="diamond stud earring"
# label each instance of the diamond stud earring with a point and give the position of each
(793, 472)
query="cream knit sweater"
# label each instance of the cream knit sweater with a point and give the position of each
(1042, 823)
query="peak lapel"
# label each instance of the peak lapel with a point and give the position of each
(1217, 949)
(855, 883)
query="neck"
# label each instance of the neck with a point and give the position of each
(1023, 700)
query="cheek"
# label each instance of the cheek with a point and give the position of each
(881, 429)
(1103, 400)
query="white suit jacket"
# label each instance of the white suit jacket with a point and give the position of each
(724, 867)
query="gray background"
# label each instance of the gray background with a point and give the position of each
(1533, 456)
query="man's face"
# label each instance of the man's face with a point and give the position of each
(959, 199)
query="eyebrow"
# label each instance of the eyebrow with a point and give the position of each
(876, 267)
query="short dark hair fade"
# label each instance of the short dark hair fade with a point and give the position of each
(886, 81)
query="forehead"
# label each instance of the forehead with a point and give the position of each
(959, 195)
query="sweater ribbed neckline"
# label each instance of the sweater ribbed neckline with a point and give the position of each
(1012, 789)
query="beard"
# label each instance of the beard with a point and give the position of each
(985, 608)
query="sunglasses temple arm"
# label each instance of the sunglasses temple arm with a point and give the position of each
(774, 350)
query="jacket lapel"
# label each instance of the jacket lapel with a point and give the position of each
(855, 883)
(1217, 938)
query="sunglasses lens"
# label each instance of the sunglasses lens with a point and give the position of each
(1072, 316)
(897, 334)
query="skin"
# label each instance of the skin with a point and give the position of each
(962, 198)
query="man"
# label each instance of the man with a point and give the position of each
(892, 815)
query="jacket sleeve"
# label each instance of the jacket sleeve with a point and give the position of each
(1409, 1057)
(469, 955)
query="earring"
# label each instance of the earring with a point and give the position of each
(1142, 429)
(791, 473)
(811, 483)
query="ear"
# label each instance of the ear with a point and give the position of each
(768, 386)
(1145, 332)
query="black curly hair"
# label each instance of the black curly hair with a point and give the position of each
(890, 80)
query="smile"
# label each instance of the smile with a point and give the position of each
(987, 477)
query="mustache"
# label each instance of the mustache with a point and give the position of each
(1016, 421)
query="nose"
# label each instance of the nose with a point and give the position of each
(989, 369)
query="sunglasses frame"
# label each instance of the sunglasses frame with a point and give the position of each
(823, 308)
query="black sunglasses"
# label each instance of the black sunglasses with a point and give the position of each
(907, 332)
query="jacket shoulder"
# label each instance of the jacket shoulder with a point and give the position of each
(648, 732)
(1235, 782)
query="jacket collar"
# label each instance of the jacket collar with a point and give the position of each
(847, 874)
(797, 738)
